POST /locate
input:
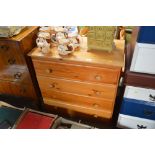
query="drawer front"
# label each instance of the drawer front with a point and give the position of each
(143, 59)
(96, 103)
(146, 35)
(58, 124)
(77, 72)
(10, 73)
(125, 121)
(139, 80)
(78, 108)
(138, 108)
(140, 93)
(10, 54)
(106, 91)
(17, 89)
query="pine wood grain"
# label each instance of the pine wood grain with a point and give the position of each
(84, 81)
(93, 102)
(114, 59)
(76, 107)
(107, 91)
(15, 77)
(76, 72)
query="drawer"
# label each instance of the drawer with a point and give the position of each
(10, 53)
(139, 80)
(10, 73)
(17, 89)
(138, 108)
(125, 121)
(76, 72)
(140, 93)
(96, 103)
(146, 35)
(106, 91)
(143, 58)
(78, 108)
(62, 123)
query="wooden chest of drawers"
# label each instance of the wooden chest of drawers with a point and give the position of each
(15, 67)
(85, 82)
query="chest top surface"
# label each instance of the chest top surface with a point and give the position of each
(93, 57)
(22, 34)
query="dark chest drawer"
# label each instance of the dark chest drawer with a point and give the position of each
(139, 79)
(10, 54)
(14, 74)
(17, 89)
(29, 41)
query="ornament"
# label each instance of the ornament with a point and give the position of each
(63, 50)
(66, 38)
(43, 45)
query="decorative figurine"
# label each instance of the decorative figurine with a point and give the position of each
(67, 39)
(44, 39)
(43, 45)
(44, 35)
(45, 29)
(63, 50)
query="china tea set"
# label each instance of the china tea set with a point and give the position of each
(66, 38)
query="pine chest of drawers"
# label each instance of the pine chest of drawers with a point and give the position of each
(85, 82)
(16, 76)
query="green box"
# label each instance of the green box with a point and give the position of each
(101, 37)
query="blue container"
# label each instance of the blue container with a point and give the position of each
(8, 117)
(138, 108)
(146, 35)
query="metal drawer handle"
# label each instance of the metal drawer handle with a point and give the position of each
(98, 77)
(151, 97)
(48, 70)
(11, 61)
(17, 75)
(148, 113)
(141, 126)
(4, 47)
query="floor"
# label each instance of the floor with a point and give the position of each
(95, 122)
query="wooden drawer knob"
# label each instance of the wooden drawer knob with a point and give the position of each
(23, 90)
(17, 75)
(95, 116)
(98, 77)
(52, 85)
(97, 92)
(48, 70)
(95, 105)
(4, 48)
(11, 61)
